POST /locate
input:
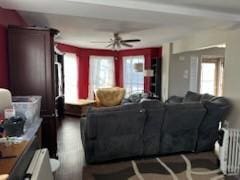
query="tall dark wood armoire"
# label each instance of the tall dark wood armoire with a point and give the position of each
(31, 72)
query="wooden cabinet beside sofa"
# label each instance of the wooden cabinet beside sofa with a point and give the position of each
(31, 72)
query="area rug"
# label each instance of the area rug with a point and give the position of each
(201, 166)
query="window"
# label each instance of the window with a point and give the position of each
(101, 73)
(212, 76)
(133, 81)
(70, 77)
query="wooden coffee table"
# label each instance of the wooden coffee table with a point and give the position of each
(79, 107)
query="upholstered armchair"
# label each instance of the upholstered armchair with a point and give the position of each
(109, 96)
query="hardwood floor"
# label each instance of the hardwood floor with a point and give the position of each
(70, 150)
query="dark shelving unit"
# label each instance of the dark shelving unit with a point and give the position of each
(156, 80)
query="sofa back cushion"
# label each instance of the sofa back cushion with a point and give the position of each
(180, 127)
(191, 97)
(174, 99)
(117, 132)
(206, 97)
(151, 138)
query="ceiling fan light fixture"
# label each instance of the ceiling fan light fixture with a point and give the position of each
(117, 42)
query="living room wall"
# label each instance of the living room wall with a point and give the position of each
(83, 55)
(148, 54)
(7, 17)
(231, 76)
(231, 86)
(179, 75)
(11, 17)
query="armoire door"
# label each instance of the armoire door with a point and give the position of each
(31, 65)
(31, 72)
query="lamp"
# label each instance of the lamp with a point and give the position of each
(138, 67)
(148, 73)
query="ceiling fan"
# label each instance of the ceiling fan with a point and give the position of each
(117, 42)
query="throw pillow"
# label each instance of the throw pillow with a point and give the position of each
(206, 97)
(174, 99)
(135, 98)
(192, 97)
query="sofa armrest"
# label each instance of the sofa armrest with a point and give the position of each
(217, 111)
(91, 126)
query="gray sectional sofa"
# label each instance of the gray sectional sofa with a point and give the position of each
(150, 127)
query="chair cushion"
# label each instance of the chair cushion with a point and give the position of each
(110, 96)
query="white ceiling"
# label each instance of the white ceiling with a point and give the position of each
(153, 21)
(228, 6)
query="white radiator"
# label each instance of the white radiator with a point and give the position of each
(39, 168)
(230, 151)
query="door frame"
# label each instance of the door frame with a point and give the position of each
(219, 61)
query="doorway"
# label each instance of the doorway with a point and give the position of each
(212, 71)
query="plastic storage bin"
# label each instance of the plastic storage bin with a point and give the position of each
(28, 106)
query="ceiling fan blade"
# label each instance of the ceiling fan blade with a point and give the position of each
(125, 44)
(111, 44)
(131, 40)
